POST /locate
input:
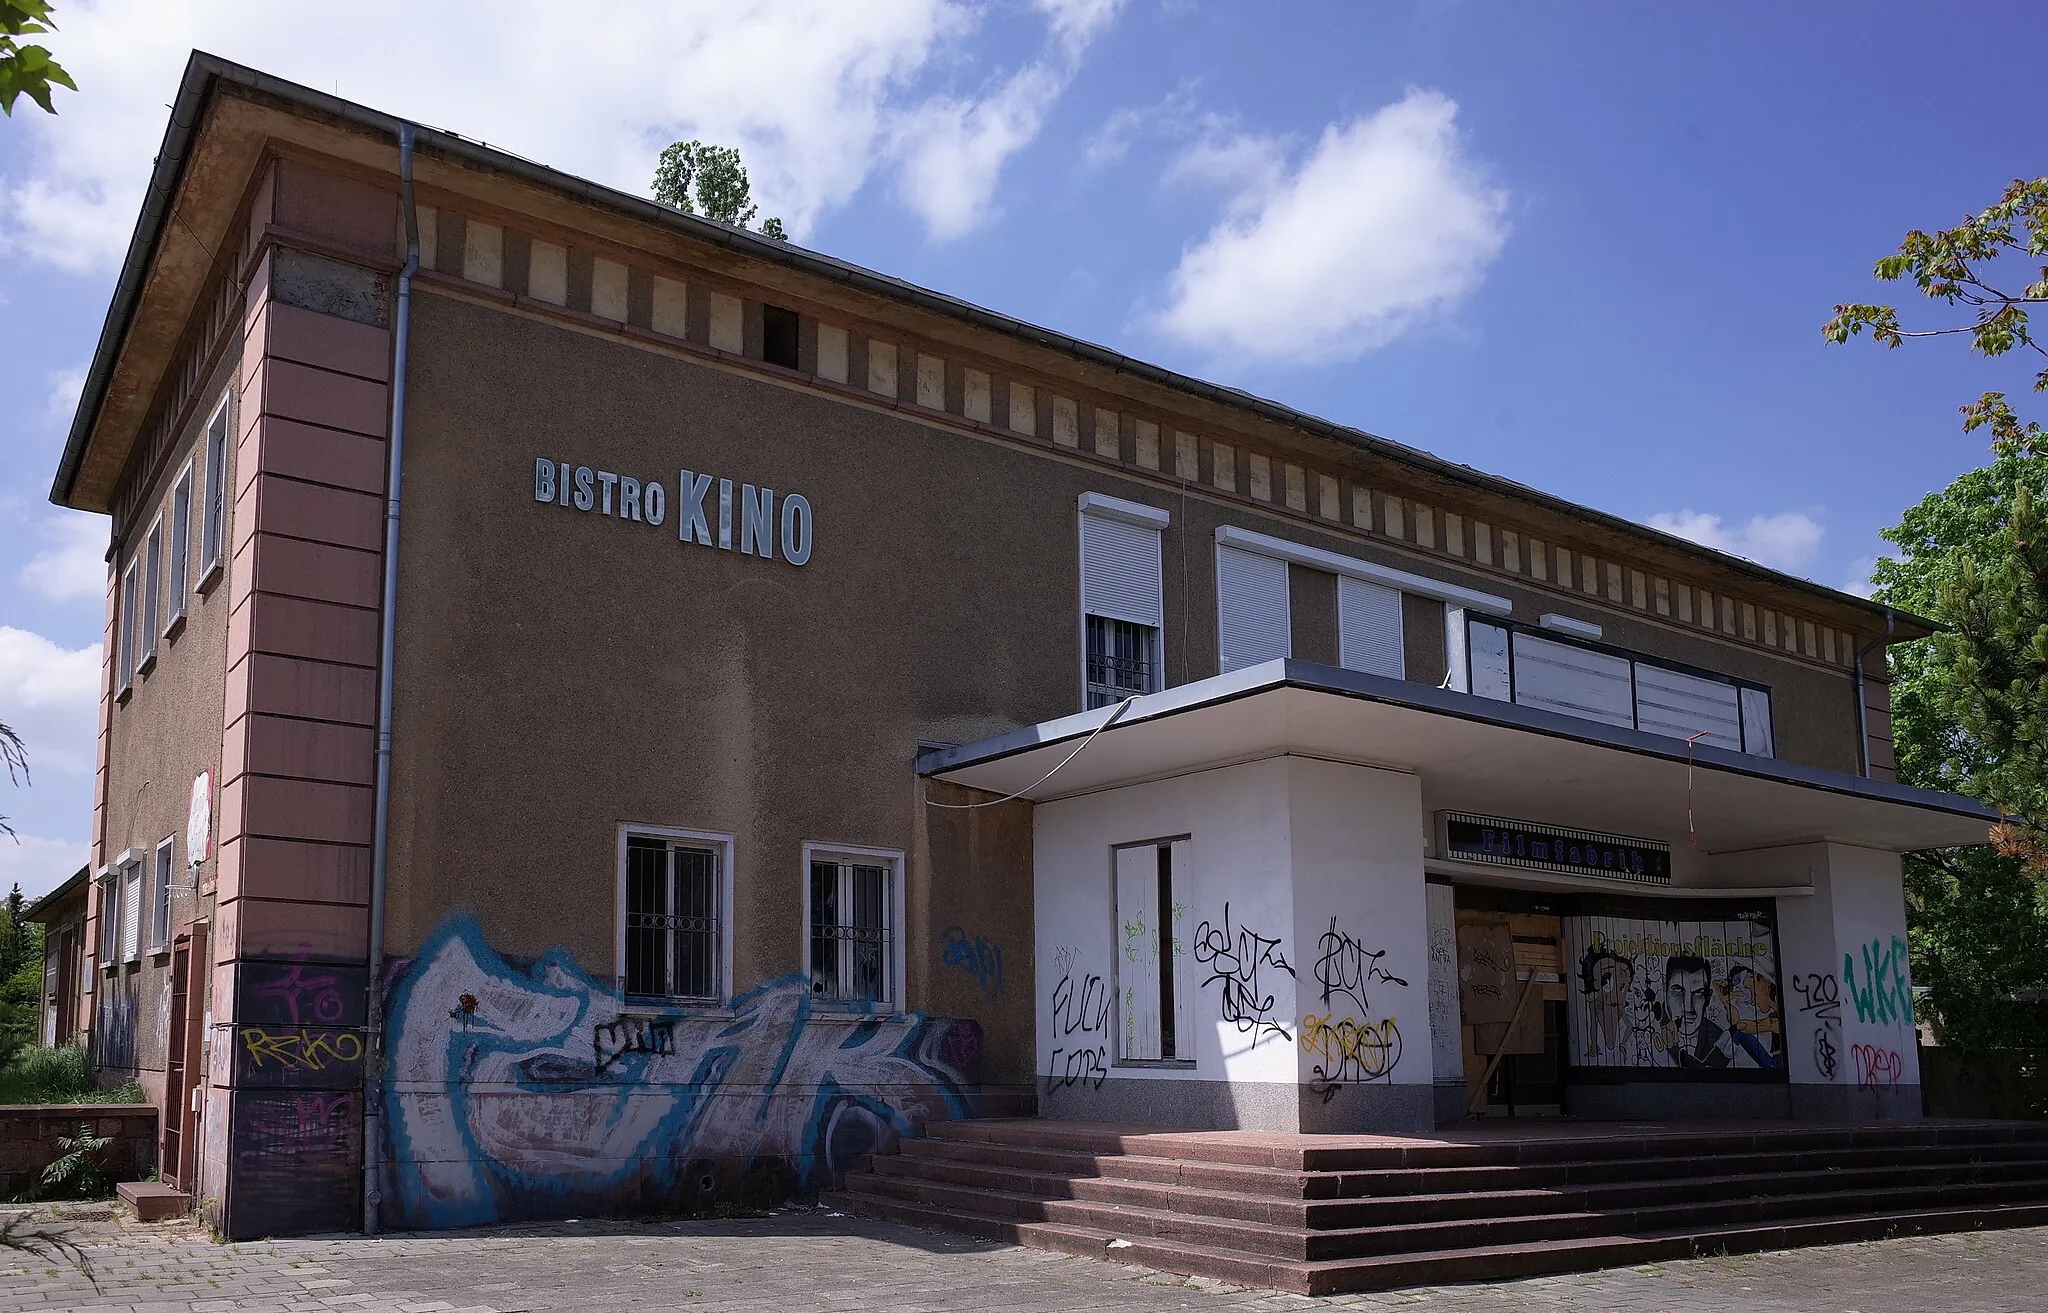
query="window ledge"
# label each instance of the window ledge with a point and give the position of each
(147, 663)
(125, 692)
(1157, 1064)
(175, 627)
(210, 576)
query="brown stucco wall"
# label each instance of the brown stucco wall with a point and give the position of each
(160, 738)
(1312, 619)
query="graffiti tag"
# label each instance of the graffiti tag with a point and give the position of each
(1345, 966)
(1080, 1030)
(977, 957)
(1876, 1068)
(304, 996)
(611, 1041)
(1350, 1050)
(1235, 956)
(1820, 998)
(1885, 995)
(302, 1049)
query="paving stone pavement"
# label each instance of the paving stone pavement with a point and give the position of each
(812, 1259)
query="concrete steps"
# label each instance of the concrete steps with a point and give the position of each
(1318, 1215)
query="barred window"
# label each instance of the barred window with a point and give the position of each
(853, 931)
(1120, 660)
(674, 920)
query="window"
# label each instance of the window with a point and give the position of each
(853, 912)
(778, 336)
(126, 642)
(674, 931)
(109, 948)
(1123, 614)
(131, 909)
(160, 906)
(214, 528)
(1369, 628)
(1254, 622)
(1155, 981)
(1618, 688)
(152, 594)
(181, 552)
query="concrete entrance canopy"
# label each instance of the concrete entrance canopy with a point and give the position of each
(1248, 914)
(1472, 754)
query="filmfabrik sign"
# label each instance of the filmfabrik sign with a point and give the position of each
(709, 511)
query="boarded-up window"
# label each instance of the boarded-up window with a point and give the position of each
(1154, 979)
(1681, 705)
(1574, 680)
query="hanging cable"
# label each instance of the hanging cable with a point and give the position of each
(1114, 716)
(1692, 836)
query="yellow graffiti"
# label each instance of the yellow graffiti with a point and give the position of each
(301, 1050)
(1362, 1050)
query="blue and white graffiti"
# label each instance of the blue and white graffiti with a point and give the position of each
(528, 1089)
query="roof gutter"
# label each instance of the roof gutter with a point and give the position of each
(204, 70)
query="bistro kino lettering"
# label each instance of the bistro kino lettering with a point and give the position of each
(753, 529)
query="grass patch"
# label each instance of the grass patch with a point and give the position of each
(63, 1075)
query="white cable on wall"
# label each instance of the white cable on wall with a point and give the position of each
(1114, 716)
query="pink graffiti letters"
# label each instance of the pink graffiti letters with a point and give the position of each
(307, 995)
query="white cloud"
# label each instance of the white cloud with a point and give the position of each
(810, 90)
(65, 387)
(39, 864)
(73, 566)
(951, 150)
(1858, 580)
(1786, 541)
(1386, 223)
(50, 695)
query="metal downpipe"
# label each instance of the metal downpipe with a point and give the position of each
(380, 852)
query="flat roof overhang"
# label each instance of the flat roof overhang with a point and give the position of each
(1472, 754)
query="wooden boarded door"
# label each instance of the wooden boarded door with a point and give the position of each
(183, 1066)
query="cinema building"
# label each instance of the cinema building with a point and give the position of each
(603, 710)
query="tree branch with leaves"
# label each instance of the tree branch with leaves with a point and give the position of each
(1953, 266)
(27, 70)
(693, 176)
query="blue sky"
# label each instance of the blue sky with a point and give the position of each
(1586, 246)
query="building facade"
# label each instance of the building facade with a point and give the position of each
(718, 645)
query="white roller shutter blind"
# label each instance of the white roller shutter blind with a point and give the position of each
(1137, 940)
(1573, 680)
(1668, 702)
(1120, 576)
(1756, 723)
(1368, 627)
(1252, 618)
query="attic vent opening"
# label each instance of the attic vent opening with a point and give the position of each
(778, 336)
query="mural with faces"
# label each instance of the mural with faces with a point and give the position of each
(525, 1088)
(1698, 995)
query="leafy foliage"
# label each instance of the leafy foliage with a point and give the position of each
(13, 754)
(1950, 266)
(21, 977)
(1968, 716)
(77, 1172)
(693, 176)
(27, 70)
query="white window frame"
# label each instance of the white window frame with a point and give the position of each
(162, 870)
(214, 521)
(723, 845)
(152, 594)
(1187, 1039)
(129, 947)
(178, 562)
(1140, 516)
(1229, 535)
(892, 859)
(107, 945)
(126, 616)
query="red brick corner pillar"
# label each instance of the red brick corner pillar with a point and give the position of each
(284, 1115)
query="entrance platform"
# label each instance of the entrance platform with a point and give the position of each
(1323, 1214)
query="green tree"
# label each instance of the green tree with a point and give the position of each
(1953, 266)
(27, 70)
(1967, 716)
(21, 977)
(16, 759)
(693, 176)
